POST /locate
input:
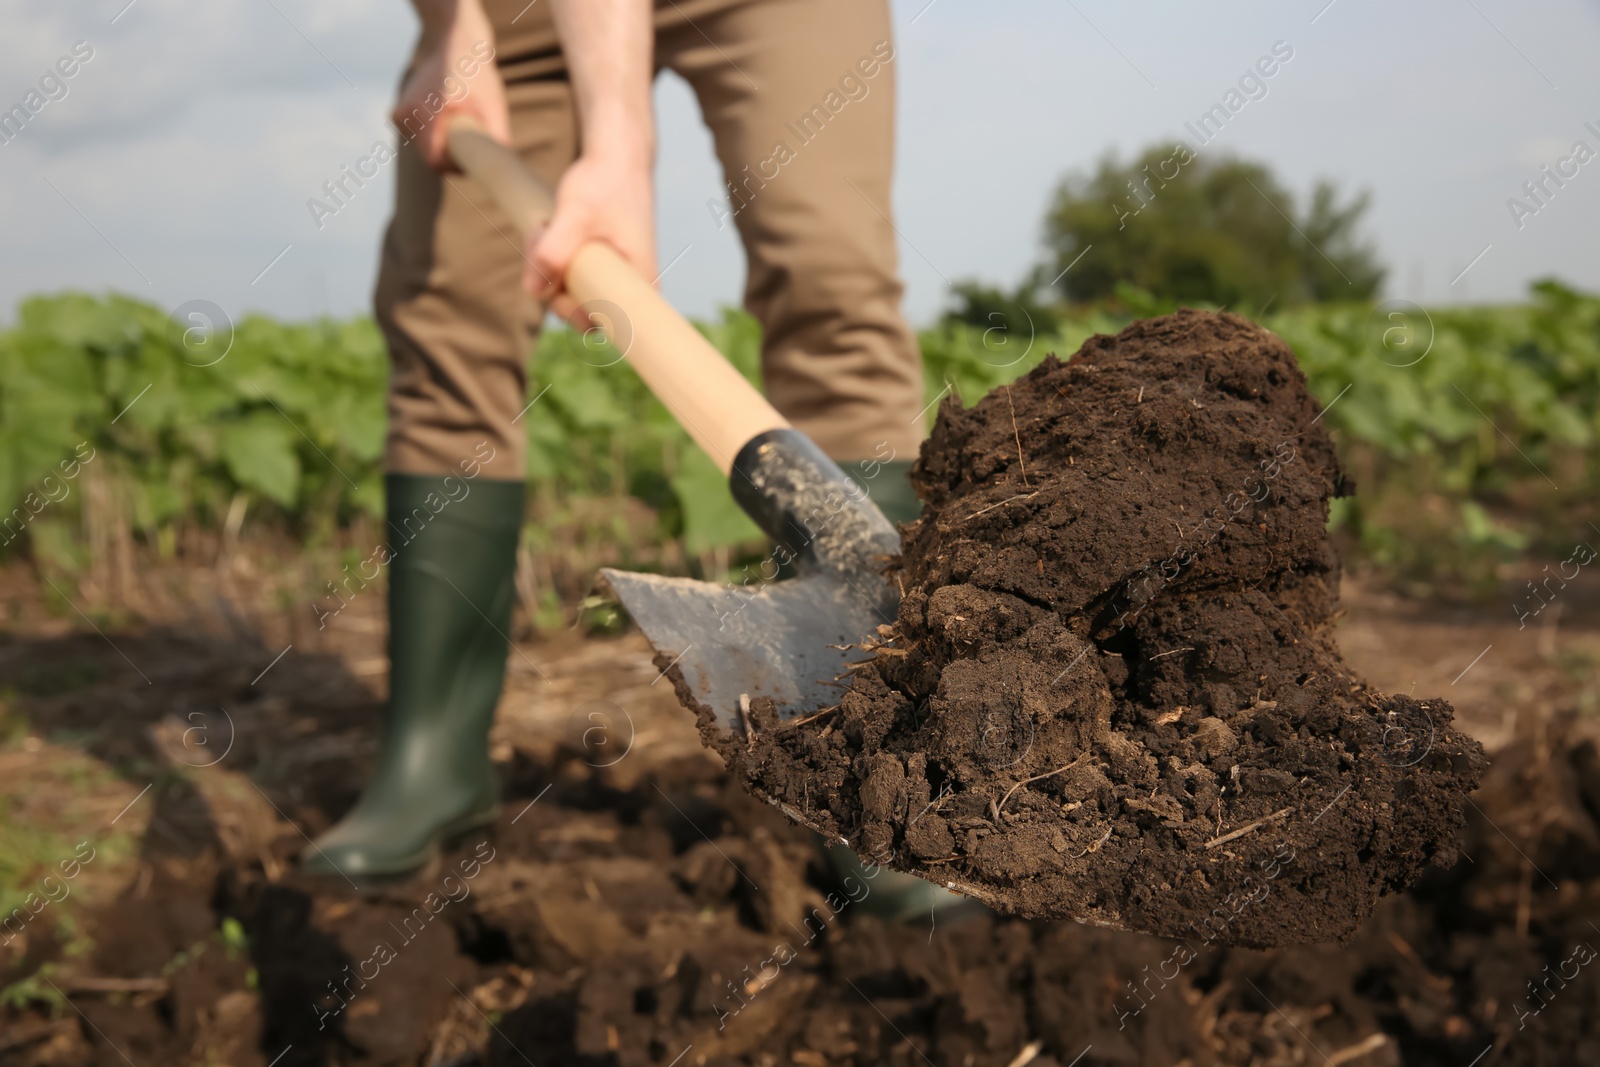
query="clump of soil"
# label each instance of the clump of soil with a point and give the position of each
(1111, 692)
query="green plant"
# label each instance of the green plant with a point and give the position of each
(1199, 227)
(288, 429)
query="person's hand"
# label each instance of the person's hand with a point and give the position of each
(454, 74)
(602, 197)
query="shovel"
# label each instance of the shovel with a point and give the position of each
(791, 640)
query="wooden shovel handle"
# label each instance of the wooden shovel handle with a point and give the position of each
(708, 397)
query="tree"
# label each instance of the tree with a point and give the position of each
(989, 306)
(1206, 229)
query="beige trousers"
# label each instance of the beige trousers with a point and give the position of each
(799, 97)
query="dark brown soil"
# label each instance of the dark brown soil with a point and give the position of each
(646, 912)
(1112, 693)
(615, 927)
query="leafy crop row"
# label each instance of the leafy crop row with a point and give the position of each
(1491, 436)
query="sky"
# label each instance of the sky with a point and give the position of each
(178, 163)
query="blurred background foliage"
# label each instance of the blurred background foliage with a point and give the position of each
(1209, 228)
(1473, 433)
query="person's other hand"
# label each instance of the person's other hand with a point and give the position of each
(454, 74)
(601, 197)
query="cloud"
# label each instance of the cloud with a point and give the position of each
(164, 60)
(195, 136)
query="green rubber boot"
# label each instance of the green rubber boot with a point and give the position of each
(453, 557)
(896, 896)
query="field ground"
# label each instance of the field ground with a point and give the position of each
(627, 907)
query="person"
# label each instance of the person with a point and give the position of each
(799, 99)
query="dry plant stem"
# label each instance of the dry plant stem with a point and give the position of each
(1370, 1044)
(94, 984)
(814, 718)
(1241, 831)
(1103, 838)
(1038, 777)
(1029, 1053)
(744, 717)
(1003, 503)
(1022, 465)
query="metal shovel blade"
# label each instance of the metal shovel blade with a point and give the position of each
(779, 639)
(782, 640)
